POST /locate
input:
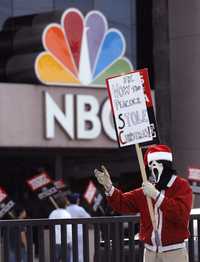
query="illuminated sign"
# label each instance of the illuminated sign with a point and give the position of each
(81, 51)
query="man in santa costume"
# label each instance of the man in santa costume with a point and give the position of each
(172, 200)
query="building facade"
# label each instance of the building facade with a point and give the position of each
(51, 119)
(55, 112)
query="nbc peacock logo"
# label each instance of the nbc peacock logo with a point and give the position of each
(81, 51)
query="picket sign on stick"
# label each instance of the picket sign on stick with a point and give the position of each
(6, 204)
(43, 187)
(129, 108)
(53, 202)
(144, 178)
(11, 215)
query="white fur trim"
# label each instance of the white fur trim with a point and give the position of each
(159, 156)
(160, 200)
(171, 181)
(165, 248)
(110, 192)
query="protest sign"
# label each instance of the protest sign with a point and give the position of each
(90, 192)
(129, 100)
(61, 187)
(3, 195)
(194, 178)
(150, 110)
(6, 204)
(60, 184)
(194, 174)
(39, 181)
(93, 197)
(126, 93)
(97, 203)
(43, 186)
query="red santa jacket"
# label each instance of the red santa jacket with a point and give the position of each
(172, 212)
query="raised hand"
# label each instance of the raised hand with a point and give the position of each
(103, 178)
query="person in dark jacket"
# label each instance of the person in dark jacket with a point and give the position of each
(16, 240)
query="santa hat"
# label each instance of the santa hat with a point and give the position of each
(157, 152)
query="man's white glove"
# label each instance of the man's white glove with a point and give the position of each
(103, 178)
(150, 190)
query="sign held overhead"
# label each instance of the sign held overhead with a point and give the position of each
(130, 99)
(129, 109)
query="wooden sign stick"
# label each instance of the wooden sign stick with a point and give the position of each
(10, 213)
(53, 202)
(144, 178)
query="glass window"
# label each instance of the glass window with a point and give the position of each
(5, 11)
(24, 7)
(121, 13)
(27, 20)
(124, 19)
(83, 5)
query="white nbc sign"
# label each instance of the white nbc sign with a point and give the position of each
(127, 99)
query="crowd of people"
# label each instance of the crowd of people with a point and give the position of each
(67, 207)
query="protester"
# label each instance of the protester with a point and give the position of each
(13, 236)
(76, 211)
(172, 201)
(61, 213)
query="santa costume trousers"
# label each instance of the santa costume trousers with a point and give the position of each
(179, 255)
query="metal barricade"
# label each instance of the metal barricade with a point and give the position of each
(194, 240)
(107, 239)
(103, 239)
